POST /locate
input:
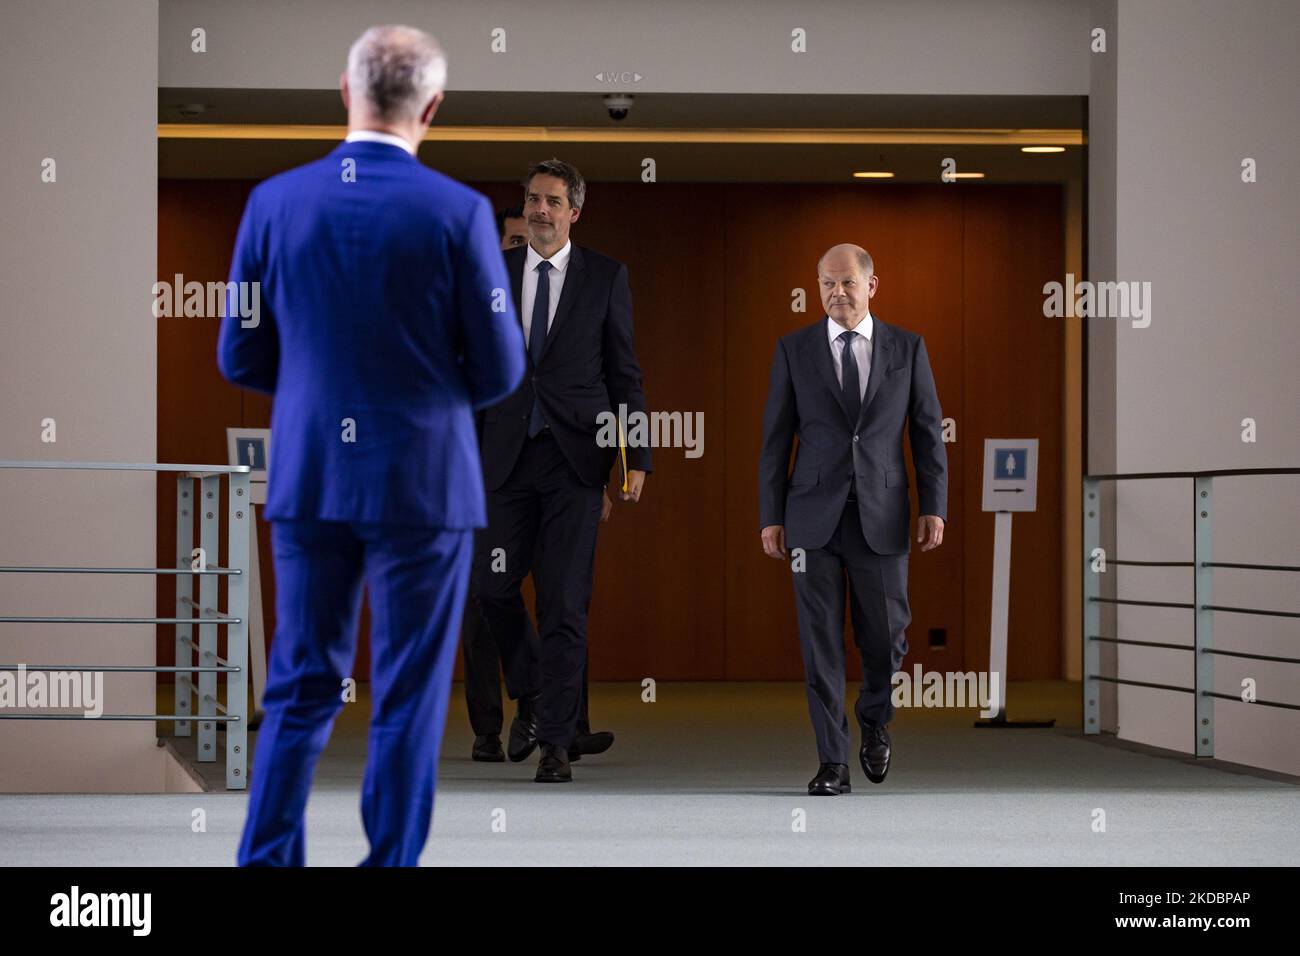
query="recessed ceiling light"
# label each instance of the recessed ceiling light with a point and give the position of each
(1042, 149)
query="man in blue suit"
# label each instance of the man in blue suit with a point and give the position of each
(384, 319)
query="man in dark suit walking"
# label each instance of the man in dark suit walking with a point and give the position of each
(384, 324)
(544, 468)
(847, 385)
(482, 659)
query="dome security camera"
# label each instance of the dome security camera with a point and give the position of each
(618, 106)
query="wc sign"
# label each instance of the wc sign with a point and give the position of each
(1010, 474)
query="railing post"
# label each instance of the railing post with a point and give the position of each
(1091, 609)
(184, 589)
(209, 540)
(1203, 535)
(240, 513)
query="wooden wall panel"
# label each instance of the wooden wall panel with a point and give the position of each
(1013, 360)
(197, 222)
(774, 238)
(682, 589)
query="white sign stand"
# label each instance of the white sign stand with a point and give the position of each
(1010, 485)
(252, 447)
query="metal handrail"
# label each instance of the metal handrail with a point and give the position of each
(1202, 607)
(196, 471)
(39, 570)
(154, 717)
(39, 619)
(196, 680)
(1217, 473)
(107, 668)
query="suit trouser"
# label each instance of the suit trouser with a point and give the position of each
(482, 673)
(483, 676)
(877, 591)
(543, 520)
(417, 579)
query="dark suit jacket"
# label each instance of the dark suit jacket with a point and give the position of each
(588, 366)
(376, 306)
(804, 399)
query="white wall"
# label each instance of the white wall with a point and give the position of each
(738, 46)
(77, 260)
(1202, 84)
(1190, 87)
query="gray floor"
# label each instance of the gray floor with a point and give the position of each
(715, 774)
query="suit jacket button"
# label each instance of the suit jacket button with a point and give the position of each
(855, 437)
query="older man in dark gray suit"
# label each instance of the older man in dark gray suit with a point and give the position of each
(847, 385)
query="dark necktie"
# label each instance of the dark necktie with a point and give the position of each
(537, 339)
(849, 377)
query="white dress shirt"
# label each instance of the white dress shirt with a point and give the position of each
(375, 136)
(559, 263)
(861, 350)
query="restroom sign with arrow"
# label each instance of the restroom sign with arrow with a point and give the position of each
(1010, 474)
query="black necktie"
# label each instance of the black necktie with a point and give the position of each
(849, 377)
(537, 339)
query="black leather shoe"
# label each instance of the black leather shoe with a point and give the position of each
(554, 765)
(875, 750)
(523, 729)
(487, 749)
(831, 780)
(596, 743)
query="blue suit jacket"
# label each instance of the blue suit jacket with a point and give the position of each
(385, 320)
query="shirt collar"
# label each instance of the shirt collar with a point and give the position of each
(558, 261)
(864, 328)
(375, 136)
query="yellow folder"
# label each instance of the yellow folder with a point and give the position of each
(622, 453)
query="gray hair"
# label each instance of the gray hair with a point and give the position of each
(577, 186)
(396, 70)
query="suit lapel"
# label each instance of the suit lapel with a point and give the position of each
(881, 352)
(817, 351)
(515, 269)
(573, 276)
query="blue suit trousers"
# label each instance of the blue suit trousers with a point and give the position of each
(417, 580)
